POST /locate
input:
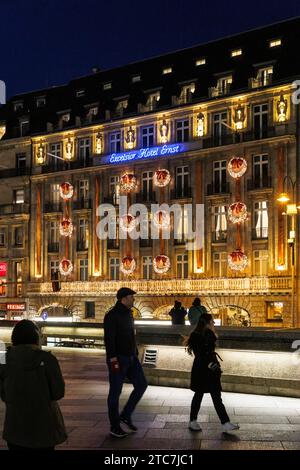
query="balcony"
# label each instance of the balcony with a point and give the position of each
(59, 165)
(260, 233)
(14, 209)
(261, 183)
(113, 244)
(53, 247)
(219, 236)
(82, 204)
(260, 81)
(146, 243)
(180, 241)
(181, 193)
(12, 172)
(82, 245)
(146, 197)
(50, 207)
(239, 137)
(81, 163)
(219, 90)
(217, 188)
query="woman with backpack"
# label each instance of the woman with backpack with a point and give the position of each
(196, 311)
(206, 372)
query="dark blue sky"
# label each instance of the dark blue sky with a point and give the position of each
(49, 42)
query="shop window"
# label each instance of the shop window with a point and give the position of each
(275, 311)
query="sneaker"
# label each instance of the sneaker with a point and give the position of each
(128, 423)
(230, 426)
(194, 426)
(118, 432)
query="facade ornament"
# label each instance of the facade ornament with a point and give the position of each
(200, 125)
(282, 109)
(130, 138)
(164, 130)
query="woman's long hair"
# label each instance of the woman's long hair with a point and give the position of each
(200, 329)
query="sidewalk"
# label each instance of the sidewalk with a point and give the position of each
(266, 422)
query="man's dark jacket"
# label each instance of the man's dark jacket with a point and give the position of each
(119, 334)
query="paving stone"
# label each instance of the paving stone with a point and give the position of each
(150, 444)
(240, 445)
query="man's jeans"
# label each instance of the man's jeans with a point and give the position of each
(131, 368)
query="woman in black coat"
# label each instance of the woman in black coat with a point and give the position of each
(206, 372)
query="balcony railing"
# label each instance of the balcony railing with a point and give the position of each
(14, 209)
(211, 286)
(218, 188)
(146, 197)
(260, 233)
(53, 207)
(146, 243)
(259, 183)
(219, 236)
(53, 247)
(113, 244)
(81, 163)
(181, 193)
(82, 204)
(11, 172)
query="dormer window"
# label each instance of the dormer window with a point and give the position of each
(122, 104)
(18, 105)
(93, 111)
(24, 127)
(80, 93)
(223, 86)
(187, 92)
(201, 61)
(167, 70)
(107, 86)
(136, 79)
(236, 52)
(65, 117)
(275, 43)
(40, 102)
(152, 100)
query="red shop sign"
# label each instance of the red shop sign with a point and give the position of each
(21, 306)
(3, 269)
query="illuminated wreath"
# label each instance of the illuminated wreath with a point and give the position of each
(66, 190)
(128, 265)
(65, 267)
(66, 228)
(237, 167)
(128, 222)
(161, 219)
(128, 182)
(237, 260)
(237, 212)
(161, 178)
(161, 264)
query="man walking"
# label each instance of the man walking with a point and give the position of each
(122, 361)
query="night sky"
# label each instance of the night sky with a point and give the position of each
(48, 42)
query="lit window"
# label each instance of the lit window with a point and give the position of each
(80, 93)
(107, 86)
(200, 62)
(19, 196)
(236, 52)
(18, 105)
(167, 70)
(40, 102)
(136, 78)
(275, 43)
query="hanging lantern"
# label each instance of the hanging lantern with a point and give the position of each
(237, 167)
(161, 264)
(128, 265)
(128, 182)
(161, 219)
(237, 212)
(128, 222)
(237, 260)
(65, 267)
(66, 190)
(66, 228)
(161, 178)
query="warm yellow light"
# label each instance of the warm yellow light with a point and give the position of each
(96, 274)
(283, 197)
(38, 276)
(199, 270)
(291, 209)
(280, 267)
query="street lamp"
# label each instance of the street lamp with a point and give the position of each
(291, 210)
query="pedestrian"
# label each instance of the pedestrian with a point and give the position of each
(196, 311)
(122, 361)
(206, 372)
(178, 314)
(31, 382)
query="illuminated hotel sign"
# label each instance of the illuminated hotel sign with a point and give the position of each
(142, 154)
(12, 307)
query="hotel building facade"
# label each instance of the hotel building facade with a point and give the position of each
(206, 115)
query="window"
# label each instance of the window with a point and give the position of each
(40, 102)
(54, 267)
(55, 150)
(121, 106)
(24, 127)
(84, 146)
(182, 181)
(219, 127)
(92, 112)
(20, 161)
(147, 185)
(115, 142)
(182, 130)
(219, 223)
(220, 264)
(167, 70)
(260, 120)
(55, 195)
(187, 92)
(114, 269)
(220, 176)
(83, 189)
(200, 62)
(223, 85)
(53, 232)
(147, 267)
(147, 134)
(19, 196)
(65, 118)
(236, 52)
(260, 261)
(83, 269)
(261, 220)
(89, 309)
(83, 234)
(264, 76)
(182, 266)
(80, 93)
(3, 236)
(136, 78)
(152, 100)
(261, 170)
(275, 43)
(181, 231)
(18, 105)
(275, 311)
(114, 189)
(107, 86)
(18, 236)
